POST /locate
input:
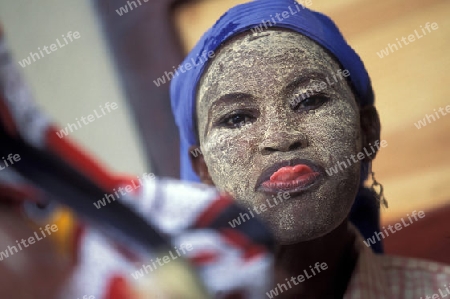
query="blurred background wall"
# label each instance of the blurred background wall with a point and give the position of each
(76, 79)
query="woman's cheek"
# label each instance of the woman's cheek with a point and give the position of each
(229, 157)
(333, 134)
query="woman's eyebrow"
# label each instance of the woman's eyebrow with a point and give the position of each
(304, 80)
(231, 98)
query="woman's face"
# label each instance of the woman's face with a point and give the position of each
(268, 126)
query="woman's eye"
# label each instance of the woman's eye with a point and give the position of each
(237, 120)
(311, 103)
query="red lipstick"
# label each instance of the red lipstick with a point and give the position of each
(289, 177)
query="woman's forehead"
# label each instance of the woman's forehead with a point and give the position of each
(275, 57)
(273, 43)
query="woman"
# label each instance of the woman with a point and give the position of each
(284, 101)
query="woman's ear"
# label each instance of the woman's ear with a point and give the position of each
(199, 165)
(370, 128)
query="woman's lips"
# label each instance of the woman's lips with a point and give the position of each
(292, 179)
(290, 173)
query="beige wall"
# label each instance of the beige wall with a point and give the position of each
(74, 80)
(415, 166)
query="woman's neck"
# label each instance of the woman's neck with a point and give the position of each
(320, 268)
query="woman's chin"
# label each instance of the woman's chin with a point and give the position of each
(291, 230)
(289, 237)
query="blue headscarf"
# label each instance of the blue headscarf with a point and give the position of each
(262, 14)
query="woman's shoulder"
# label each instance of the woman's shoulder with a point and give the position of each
(415, 278)
(387, 276)
(399, 263)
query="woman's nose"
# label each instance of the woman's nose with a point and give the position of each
(282, 141)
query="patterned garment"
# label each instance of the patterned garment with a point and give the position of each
(226, 260)
(390, 277)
